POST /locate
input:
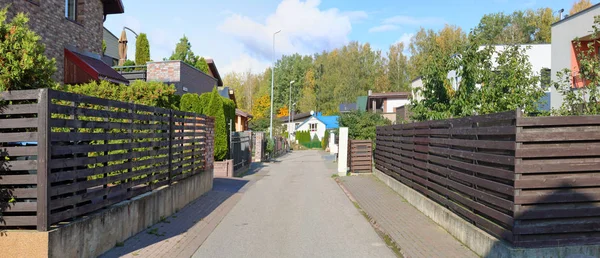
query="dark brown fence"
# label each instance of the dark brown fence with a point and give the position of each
(69, 155)
(532, 181)
(557, 181)
(360, 156)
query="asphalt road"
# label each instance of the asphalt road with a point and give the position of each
(296, 210)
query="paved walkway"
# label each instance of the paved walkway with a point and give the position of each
(296, 210)
(415, 234)
(181, 234)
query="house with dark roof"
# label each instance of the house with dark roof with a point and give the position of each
(72, 31)
(387, 103)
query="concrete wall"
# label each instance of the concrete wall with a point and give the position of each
(47, 19)
(482, 243)
(415, 87)
(563, 34)
(98, 233)
(223, 168)
(392, 104)
(186, 78)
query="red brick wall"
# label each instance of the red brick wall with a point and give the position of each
(48, 20)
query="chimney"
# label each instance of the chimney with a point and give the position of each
(560, 12)
(370, 92)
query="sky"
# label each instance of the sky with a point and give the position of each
(238, 34)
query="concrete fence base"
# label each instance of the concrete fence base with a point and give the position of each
(224, 168)
(482, 243)
(99, 232)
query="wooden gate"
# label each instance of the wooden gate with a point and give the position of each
(360, 156)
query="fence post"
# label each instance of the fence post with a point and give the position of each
(343, 152)
(43, 158)
(171, 121)
(517, 177)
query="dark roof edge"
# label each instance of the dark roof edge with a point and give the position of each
(416, 79)
(593, 7)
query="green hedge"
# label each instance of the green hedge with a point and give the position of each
(223, 109)
(155, 94)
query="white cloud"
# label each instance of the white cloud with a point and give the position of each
(245, 63)
(356, 16)
(405, 39)
(385, 27)
(305, 29)
(413, 21)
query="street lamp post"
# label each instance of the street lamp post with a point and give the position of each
(290, 112)
(272, 83)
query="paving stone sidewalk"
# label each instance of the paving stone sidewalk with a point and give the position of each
(181, 234)
(414, 233)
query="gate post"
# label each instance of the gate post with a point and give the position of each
(343, 152)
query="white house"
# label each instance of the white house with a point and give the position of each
(290, 124)
(318, 125)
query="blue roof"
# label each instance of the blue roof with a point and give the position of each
(331, 122)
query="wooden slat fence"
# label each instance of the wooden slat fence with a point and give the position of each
(360, 156)
(92, 153)
(557, 182)
(533, 181)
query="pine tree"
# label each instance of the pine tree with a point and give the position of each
(142, 49)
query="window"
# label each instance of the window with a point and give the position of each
(313, 127)
(71, 9)
(545, 77)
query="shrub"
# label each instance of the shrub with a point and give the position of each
(325, 140)
(155, 94)
(216, 110)
(23, 64)
(190, 102)
(362, 125)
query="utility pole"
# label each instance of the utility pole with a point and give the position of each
(272, 83)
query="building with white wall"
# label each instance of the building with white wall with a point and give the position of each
(564, 53)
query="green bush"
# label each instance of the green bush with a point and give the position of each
(216, 110)
(202, 65)
(23, 64)
(190, 102)
(155, 94)
(362, 125)
(325, 140)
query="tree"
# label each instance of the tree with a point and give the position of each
(520, 27)
(183, 52)
(262, 107)
(202, 65)
(511, 85)
(580, 6)
(23, 62)
(397, 67)
(283, 111)
(287, 69)
(103, 47)
(142, 49)
(362, 125)
(216, 110)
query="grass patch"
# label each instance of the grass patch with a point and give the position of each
(163, 219)
(154, 231)
(335, 176)
(120, 244)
